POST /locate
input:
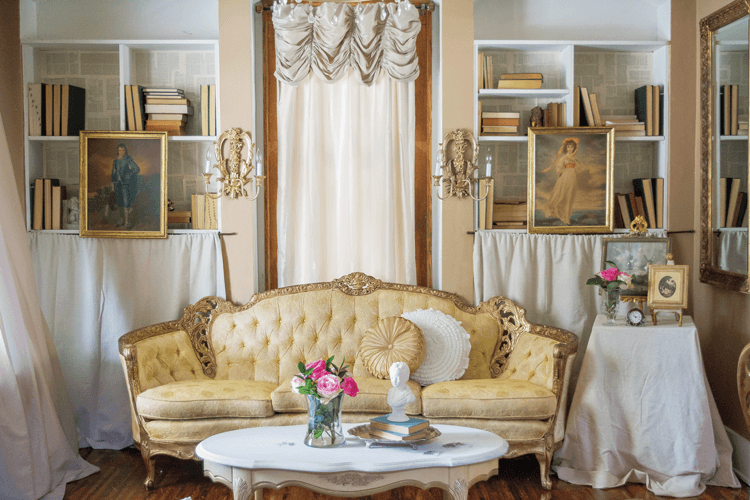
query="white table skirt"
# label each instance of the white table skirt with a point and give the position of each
(643, 412)
(94, 290)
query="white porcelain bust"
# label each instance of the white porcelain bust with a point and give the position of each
(400, 394)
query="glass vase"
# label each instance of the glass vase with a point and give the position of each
(610, 304)
(324, 422)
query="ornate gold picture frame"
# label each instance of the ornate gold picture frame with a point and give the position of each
(668, 287)
(570, 186)
(123, 184)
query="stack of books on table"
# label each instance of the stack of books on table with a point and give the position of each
(625, 125)
(500, 123)
(411, 430)
(520, 81)
(167, 110)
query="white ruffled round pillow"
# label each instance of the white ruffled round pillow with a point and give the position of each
(447, 346)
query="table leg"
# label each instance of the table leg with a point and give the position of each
(259, 494)
(458, 486)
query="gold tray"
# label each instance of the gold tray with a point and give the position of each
(363, 433)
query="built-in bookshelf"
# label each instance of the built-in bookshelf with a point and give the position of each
(103, 68)
(611, 70)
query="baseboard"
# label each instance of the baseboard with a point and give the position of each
(740, 455)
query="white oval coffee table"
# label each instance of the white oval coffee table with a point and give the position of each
(249, 460)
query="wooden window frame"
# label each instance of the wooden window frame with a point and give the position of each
(422, 150)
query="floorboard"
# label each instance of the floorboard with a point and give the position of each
(122, 474)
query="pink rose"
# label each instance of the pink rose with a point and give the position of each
(609, 274)
(349, 386)
(328, 385)
(297, 382)
(319, 368)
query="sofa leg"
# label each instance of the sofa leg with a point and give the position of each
(545, 461)
(150, 462)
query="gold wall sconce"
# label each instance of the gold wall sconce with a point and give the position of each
(454, 172)
(234, 171)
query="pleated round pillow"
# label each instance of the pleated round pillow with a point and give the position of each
(390, 340)
(448, 346)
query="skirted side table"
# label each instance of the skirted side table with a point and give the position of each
(643, 412)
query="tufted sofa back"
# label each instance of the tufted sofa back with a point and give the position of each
(267, 340)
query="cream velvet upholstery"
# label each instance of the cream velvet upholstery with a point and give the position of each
(223, 367)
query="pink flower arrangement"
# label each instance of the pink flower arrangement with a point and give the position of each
(323, 380)
(610, 278)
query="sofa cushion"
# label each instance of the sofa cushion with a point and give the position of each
(192, 399)
(493, 398)
(389, 341)
(371, 398)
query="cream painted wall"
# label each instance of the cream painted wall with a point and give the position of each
(11, 87)
(457, 102)
(722, 317)
(236, 93)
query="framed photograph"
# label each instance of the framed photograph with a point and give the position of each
(123, 184)
(667, 287)
(634, 255)
(570, 180)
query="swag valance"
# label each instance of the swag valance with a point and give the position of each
(334, 41)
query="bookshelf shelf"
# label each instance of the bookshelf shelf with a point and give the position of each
(104, 68)
(611, 69)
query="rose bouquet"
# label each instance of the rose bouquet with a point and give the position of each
(611, 281)
(324, 384)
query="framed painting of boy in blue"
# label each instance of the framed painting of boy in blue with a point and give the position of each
(570, 180)
(123, 184)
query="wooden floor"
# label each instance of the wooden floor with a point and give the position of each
(122, 474)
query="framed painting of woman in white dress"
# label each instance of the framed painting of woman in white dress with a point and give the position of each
(570, 180)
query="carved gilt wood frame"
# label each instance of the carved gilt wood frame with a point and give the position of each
(708, 26)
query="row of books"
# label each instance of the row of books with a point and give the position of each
(646, 200)
(585, 108)
(47, 197)
(500, 123)
(649, 108)
(411, 430)
(484, 65)
(204, 212)
(734, 203)
(731, 123)
(208, 110)
(56, 109)
(554, 114)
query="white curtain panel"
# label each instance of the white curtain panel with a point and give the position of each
(346, 141)
(545, 274)
(38, 441)
(94, 290)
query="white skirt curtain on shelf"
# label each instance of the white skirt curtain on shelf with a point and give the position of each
(346, 127)
(94, 290)
(38, 440)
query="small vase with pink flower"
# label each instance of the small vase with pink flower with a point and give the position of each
(611, 281)
(325, 385)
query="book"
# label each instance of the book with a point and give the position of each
(619, 221)
(211, 110)
(588, 112)
(48, 185)
(150, 90)
(493, 122)
(621, 119)
(643, 193)
(38, 212)
(641, 209)
(501, 114)
(655, 109)
(49, 111)
(58, 195)
(731, 203)
(644, 107)
(519, 84)
(210, 218)
(480, 72)
(500, 128)
(169, 108)
(553, 118)
(625, 126)
(521, 76)
(739, 208)
(633, 206)
(179, 217)
(198, 205)
(658, 186)
(625, 211)
(166, 117)
(139, 112)
(629, 133)
(722, 201)
(576, 106)
(57, 108)
(204, 109)
(595, 110)
(165, 124)
(509, 211)
(733, 109)
(73, 112)
(489, 203)
(563, 112)
(129, 110)
(153, 100)
(411, 426)
(397, 436)
(37, 115)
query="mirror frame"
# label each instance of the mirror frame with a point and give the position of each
(708, 27)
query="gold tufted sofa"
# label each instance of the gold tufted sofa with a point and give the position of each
(223, 367)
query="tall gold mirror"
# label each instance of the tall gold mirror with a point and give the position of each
(724, 147)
